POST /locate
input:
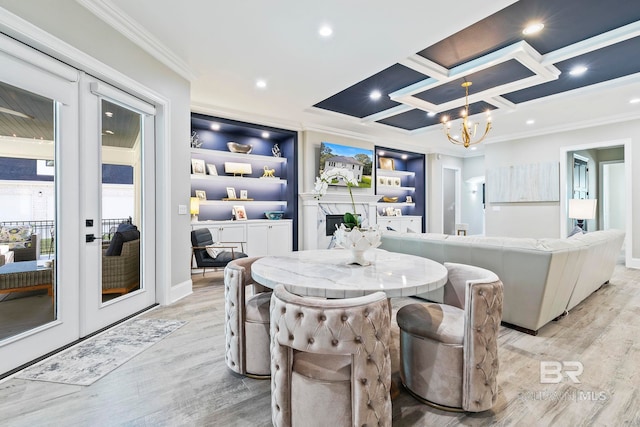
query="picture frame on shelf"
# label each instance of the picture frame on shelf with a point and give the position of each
(389, 181)
(397, 212)
(244, 194)
(390, 211)
(201, 194)
(382, 180)
(239, 213)
(231, 193)
(396, 181)
(387, 163)
(211, 168)
(197, 167)
(409, 199)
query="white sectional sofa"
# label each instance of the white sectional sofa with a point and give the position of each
(543, 278)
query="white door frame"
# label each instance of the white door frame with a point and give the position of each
(458, 196)
(626, 143)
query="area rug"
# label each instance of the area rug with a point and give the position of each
(94, 358)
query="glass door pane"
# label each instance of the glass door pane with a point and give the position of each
(27, 211)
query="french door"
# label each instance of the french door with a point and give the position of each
(117, 265)
(76, 178)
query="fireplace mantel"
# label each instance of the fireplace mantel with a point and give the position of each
(341, 197)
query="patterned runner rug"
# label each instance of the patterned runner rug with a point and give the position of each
(94, 358)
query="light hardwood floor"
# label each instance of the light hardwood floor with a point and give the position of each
(183, 381)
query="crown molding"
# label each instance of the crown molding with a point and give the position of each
(131, 29)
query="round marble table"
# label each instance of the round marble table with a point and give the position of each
(326, 273)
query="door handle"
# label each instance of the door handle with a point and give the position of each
(90, 238)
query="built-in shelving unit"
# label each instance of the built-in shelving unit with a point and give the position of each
(403, 177)
(274, 191)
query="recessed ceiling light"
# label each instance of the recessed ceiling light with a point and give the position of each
(261, 84)
(533, 28)
(108, 114)
(375, 95)
(431, 114)
(474, 148)
(380, 153)
(404, 157)
(215, 126)
(325, 31)
(578, 70)
(265, 135)
(634, 101)
(530, 121)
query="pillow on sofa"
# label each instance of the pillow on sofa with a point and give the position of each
(16, 233)
(115, 247)
(214, 252)
(124, 226)
(576, 230)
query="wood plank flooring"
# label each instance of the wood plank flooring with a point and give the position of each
(183, 381)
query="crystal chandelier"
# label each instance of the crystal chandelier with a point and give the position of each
(468, 130)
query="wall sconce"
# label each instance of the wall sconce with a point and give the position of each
(194, 208)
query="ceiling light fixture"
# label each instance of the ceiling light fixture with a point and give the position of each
(468, 130)
(578, 70)
(261, 84)
(108, 114)
(110, 132)
(375, 95)
(634, 101)
(215, 126)
(533, 28)
(431, 114)
(265, 135)
(325, 31)
(530, 121)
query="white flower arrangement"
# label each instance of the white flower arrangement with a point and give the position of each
(332, 176)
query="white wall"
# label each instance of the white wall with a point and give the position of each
(472, 209)
(435, 165)
(543, 219)
(68, 21)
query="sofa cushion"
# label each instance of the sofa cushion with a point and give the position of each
(16, 233)
(439, 322)
(115, 247)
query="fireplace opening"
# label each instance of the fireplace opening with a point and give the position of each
(332, 222)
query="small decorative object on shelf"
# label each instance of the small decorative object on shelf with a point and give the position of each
(213, 171)
(268, 173)
(197, 167)
(244, 194)
(237, 168)
(239, 213)
(274, 214)
(387, 163)
(398, 212)
(234, 147)
(390, 211)
(201, 194)
(276, 150)
(389, 199)
(231, 193)
(195, 140)
(409, 199)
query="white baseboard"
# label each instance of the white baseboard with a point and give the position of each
(180, 291)
(633, 263)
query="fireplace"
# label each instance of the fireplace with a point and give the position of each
(332, 222)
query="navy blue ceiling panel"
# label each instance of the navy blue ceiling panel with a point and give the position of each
(355, 100)
(503, 73)
(566, 22)
(416, 119)
(605, 64)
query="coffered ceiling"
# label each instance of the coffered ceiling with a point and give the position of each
(415, 53)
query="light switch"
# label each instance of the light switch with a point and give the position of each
(182, 209)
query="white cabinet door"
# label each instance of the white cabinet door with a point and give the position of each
(413, 223)
(269, 238)
(393, 222)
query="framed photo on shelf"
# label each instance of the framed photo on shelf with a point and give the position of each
(239, 213)
(211, 168)
(387, 163)
(382, 180)
(201, 194)
(231, 193)
(409, 199)
(389, 181)
(244, 194)
(398, 212)
(396, 181)
(197, 167)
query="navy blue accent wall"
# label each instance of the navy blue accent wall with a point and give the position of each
(13, 169)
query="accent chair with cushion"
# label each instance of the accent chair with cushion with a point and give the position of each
(210, 255)
(449, 352)
(121, 263)
(20, 239)
(246, 321)
(330, 360)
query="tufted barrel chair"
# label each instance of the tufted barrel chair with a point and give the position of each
(330, 361)
(247, 321)
(449, 352)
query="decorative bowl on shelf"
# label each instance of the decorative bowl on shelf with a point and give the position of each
(234, 147)
(389, 199)
(274, 214)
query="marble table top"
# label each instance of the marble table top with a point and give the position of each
(326, 273)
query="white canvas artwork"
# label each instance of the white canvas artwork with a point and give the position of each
(535, 182)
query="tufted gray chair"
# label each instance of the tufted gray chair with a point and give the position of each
(247, 321)
(330, 361)
(449, 352)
